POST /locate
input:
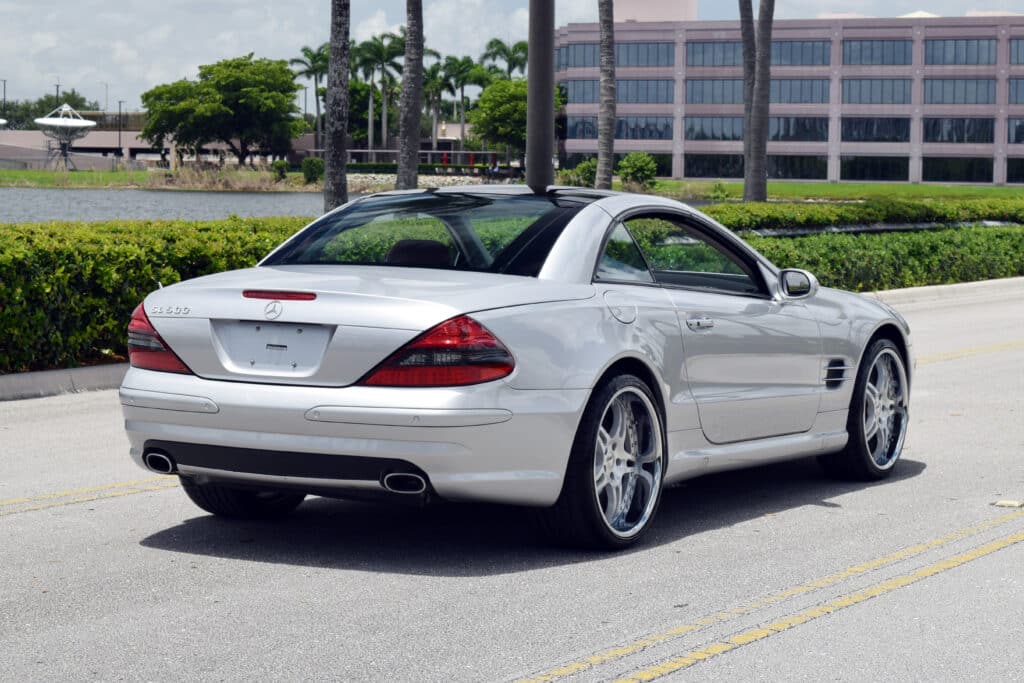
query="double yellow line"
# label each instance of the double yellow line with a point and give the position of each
(85, 495)
(753, 635)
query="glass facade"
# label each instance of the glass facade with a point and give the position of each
(1016, 127)
(874, 168)
(957, 169)
(1017, 51)
(801, 53)
(878, 52)
(797, 129)
(876, 90)
(1017, 91)
(584, 55)
(714, 91)
(581, 127)
(799, 91)
(717, 53)
(960, 51)
(959, 91)
(626, 128)
(713, 166)
(1015, 170)
(959, 130)
(714, 128)
(793, 167)
(627, 90)
(857, 129)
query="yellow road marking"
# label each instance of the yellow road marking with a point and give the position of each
(630, 648)
(75, 496)
(753, 635)
(928, 359)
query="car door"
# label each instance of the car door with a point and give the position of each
(753, 362)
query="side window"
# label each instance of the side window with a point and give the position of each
(683, 256)
(621, 260)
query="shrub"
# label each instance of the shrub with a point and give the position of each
(584, 175)
(312, 169)
(638, 168)
(280, 168)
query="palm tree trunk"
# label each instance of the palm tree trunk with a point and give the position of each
(411, 104)
(369, 130)
(336, 153)
(433, 126)
(757, 90)
(606, 111)
(462, 118)
(383, 114)
(317, 130)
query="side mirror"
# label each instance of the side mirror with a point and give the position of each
(797, 284)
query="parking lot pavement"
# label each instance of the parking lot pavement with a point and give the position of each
(771, 574)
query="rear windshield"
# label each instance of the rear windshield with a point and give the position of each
(479, 232)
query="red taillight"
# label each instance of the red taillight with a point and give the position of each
(279, 296)
(457, 352)
(147, 350)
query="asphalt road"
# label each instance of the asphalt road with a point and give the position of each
(109, 573)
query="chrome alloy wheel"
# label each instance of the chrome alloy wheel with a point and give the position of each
(885, 408)
(628, 462)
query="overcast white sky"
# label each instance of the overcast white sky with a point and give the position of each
(133, 45)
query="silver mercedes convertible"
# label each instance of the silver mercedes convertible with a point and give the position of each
(575, 351)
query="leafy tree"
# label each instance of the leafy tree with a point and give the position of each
(500, 114)
(248, 104)
(639, 168)
(380, 55)
(338, 101)
(435, 84)
(757, 59)
(22, 113)
(513, 54)
(412, 98)
(460, 71)
(606, 109)
(313, 65)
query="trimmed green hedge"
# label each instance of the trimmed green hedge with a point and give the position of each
(777, 216)
(67, 289)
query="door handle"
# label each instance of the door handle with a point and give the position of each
(704, 323)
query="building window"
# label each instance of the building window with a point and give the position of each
(1015, 170)
(645, 54)
(1017, 91)
(787, 167)
(714, 128)
(875, 130)
(874, 168)
(800, 91)
(713, 166)
(580, 92)
(797, 129)
(877, 52)
(959, 91)
(1017, 51)
(581, 127)
(719, 53)
(1016, 131)
(876, 91)
(643, 128)
(714, 91)
(643, 91)
(959, 130)
(960, 51)
(801, 52)
(957, 169)
(577, 55)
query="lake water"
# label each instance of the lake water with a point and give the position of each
(18, 205)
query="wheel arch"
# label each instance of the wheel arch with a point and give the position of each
(893, 333)
(634, 365)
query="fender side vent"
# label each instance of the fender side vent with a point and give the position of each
(836, 373)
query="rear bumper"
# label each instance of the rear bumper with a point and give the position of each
(486, 442)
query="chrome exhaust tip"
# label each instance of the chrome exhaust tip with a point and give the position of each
(404, 482)
(158, 462)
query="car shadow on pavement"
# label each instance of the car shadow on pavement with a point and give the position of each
(482, 540)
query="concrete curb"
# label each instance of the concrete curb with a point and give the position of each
(52, 382)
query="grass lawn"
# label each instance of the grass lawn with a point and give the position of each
(792, 190)
(76, 179)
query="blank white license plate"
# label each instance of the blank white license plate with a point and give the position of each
(276, 347)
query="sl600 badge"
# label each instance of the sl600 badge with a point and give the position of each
(170, 310)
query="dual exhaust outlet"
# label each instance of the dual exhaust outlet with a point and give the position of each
(404, 483)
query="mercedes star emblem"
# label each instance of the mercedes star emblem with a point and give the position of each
(273, 310)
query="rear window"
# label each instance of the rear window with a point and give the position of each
(478, 232)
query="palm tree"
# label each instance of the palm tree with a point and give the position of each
(513, 54)
(378, 55)
(335, 176)
(313, 64)
(412, 98)
(757, 54)
(606, 110)
(460, 71)
(435, 84)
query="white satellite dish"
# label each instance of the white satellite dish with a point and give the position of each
(3, 122)
(63, 125)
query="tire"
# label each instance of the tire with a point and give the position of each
(225, 501)
(878, 417)
(613, 481)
